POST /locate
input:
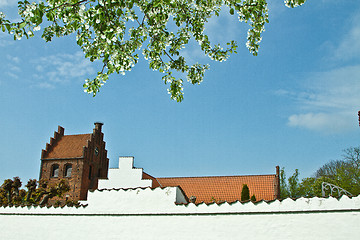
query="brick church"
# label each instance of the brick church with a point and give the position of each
(82, 161)
(79, 159)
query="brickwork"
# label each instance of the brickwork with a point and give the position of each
(79, 159)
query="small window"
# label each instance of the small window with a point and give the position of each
(55, 170)
(68, 169)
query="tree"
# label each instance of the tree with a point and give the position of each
(245, 194)
(345, 172)
(253, 198)
(115, 31)
(292, 187)
(11, 194)
(284, 192)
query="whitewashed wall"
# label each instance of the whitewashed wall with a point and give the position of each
(126, 176)
(140, 212)
(152, 214)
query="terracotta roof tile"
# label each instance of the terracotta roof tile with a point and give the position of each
(225, 188)
(69, 146)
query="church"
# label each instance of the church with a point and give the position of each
(82, 161)
(79, 159)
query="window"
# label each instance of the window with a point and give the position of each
(68, 169)
(55, 170)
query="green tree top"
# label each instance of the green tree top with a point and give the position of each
(245, 193)
(114, 31)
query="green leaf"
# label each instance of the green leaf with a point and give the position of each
(232, 11)
(22, 25)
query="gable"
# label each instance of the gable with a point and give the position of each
(223, 188)
(69, 146)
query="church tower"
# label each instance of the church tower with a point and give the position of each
(79, 159)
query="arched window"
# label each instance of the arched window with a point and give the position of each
(68, 168)
(55, 170)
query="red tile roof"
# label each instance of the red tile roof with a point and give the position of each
(69, 146)
(226, 188)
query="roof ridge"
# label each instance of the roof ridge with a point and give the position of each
(256, 175)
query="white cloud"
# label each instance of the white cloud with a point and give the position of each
(61, 68)
(328, 102)
(324, 122)
(349, 47)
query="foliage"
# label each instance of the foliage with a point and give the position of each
(284, 193)
(294, 184)
(291, 188)
(37, 193)
(253, 198)
(307, 187)
(245, 193)
(115, 31)
(344, 173)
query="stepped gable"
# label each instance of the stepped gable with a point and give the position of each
(69, 146)
(224, 188)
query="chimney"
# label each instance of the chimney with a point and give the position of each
(277, 184)
(98, 126)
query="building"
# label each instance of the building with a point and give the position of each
(82, 160)
(225, 188)
(213, 189)
(79, 159)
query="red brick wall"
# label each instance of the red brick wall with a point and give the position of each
(74, 181)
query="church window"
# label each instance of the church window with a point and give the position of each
(68, 169)
(55, 170)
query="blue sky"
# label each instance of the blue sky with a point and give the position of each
(294, 105)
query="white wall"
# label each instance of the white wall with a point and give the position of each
(153, 214)
(126, 176)
(145, 213)
(220, 227)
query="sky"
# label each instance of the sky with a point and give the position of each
(294, 105)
